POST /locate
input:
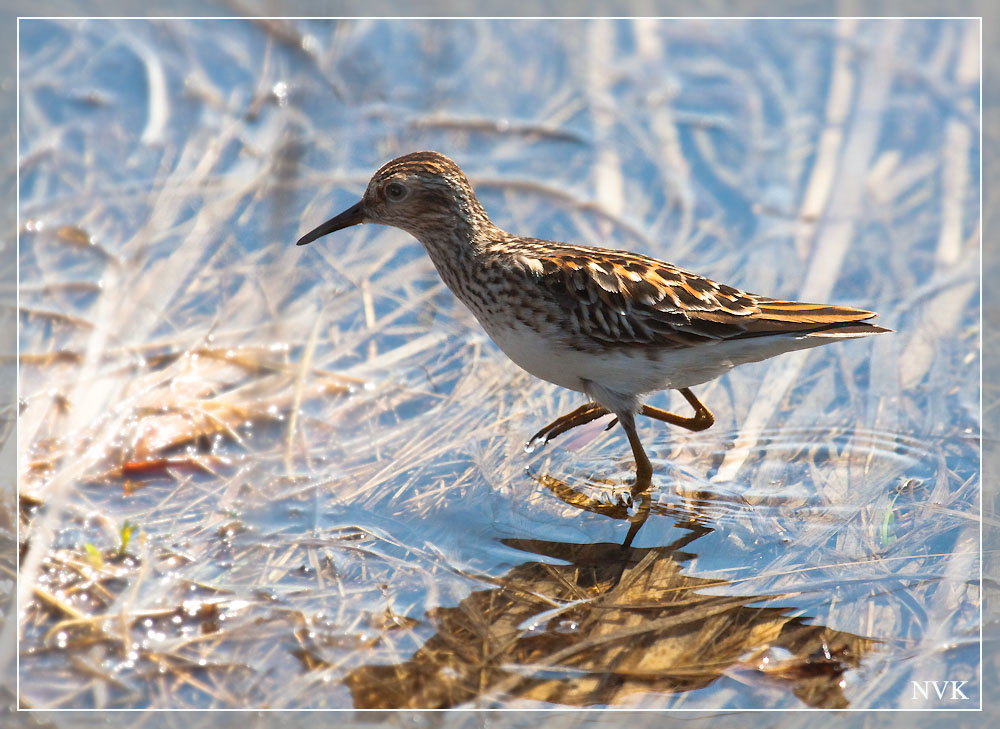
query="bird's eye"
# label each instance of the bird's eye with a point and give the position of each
(395, 191)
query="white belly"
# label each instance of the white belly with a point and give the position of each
(632, 372)
(628, 373)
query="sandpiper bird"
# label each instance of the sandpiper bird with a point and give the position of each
(611, 324)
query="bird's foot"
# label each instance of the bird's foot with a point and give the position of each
(582, 415)
(638, 513)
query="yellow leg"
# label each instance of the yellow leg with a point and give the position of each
(643, 479)
(701, 420)
(702, 417)
(643, 468)
(582, 415)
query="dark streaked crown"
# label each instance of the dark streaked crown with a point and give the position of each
(422, 163)
(424, 193)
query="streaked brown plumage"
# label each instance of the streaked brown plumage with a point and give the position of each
(623, 299)
(612, 324)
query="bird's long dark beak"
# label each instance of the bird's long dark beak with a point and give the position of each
(354, 215)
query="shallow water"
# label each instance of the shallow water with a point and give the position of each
(366, 529)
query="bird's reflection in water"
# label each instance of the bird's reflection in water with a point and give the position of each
(621, 506)
(607, 626)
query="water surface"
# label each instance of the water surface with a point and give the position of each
(255, 475)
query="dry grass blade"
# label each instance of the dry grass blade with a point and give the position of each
(258, 475)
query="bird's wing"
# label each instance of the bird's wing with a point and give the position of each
(618, 298)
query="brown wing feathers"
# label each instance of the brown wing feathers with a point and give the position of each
(630, 299)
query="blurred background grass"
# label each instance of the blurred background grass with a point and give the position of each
(389, 321)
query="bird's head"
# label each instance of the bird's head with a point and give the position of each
(423, 193)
